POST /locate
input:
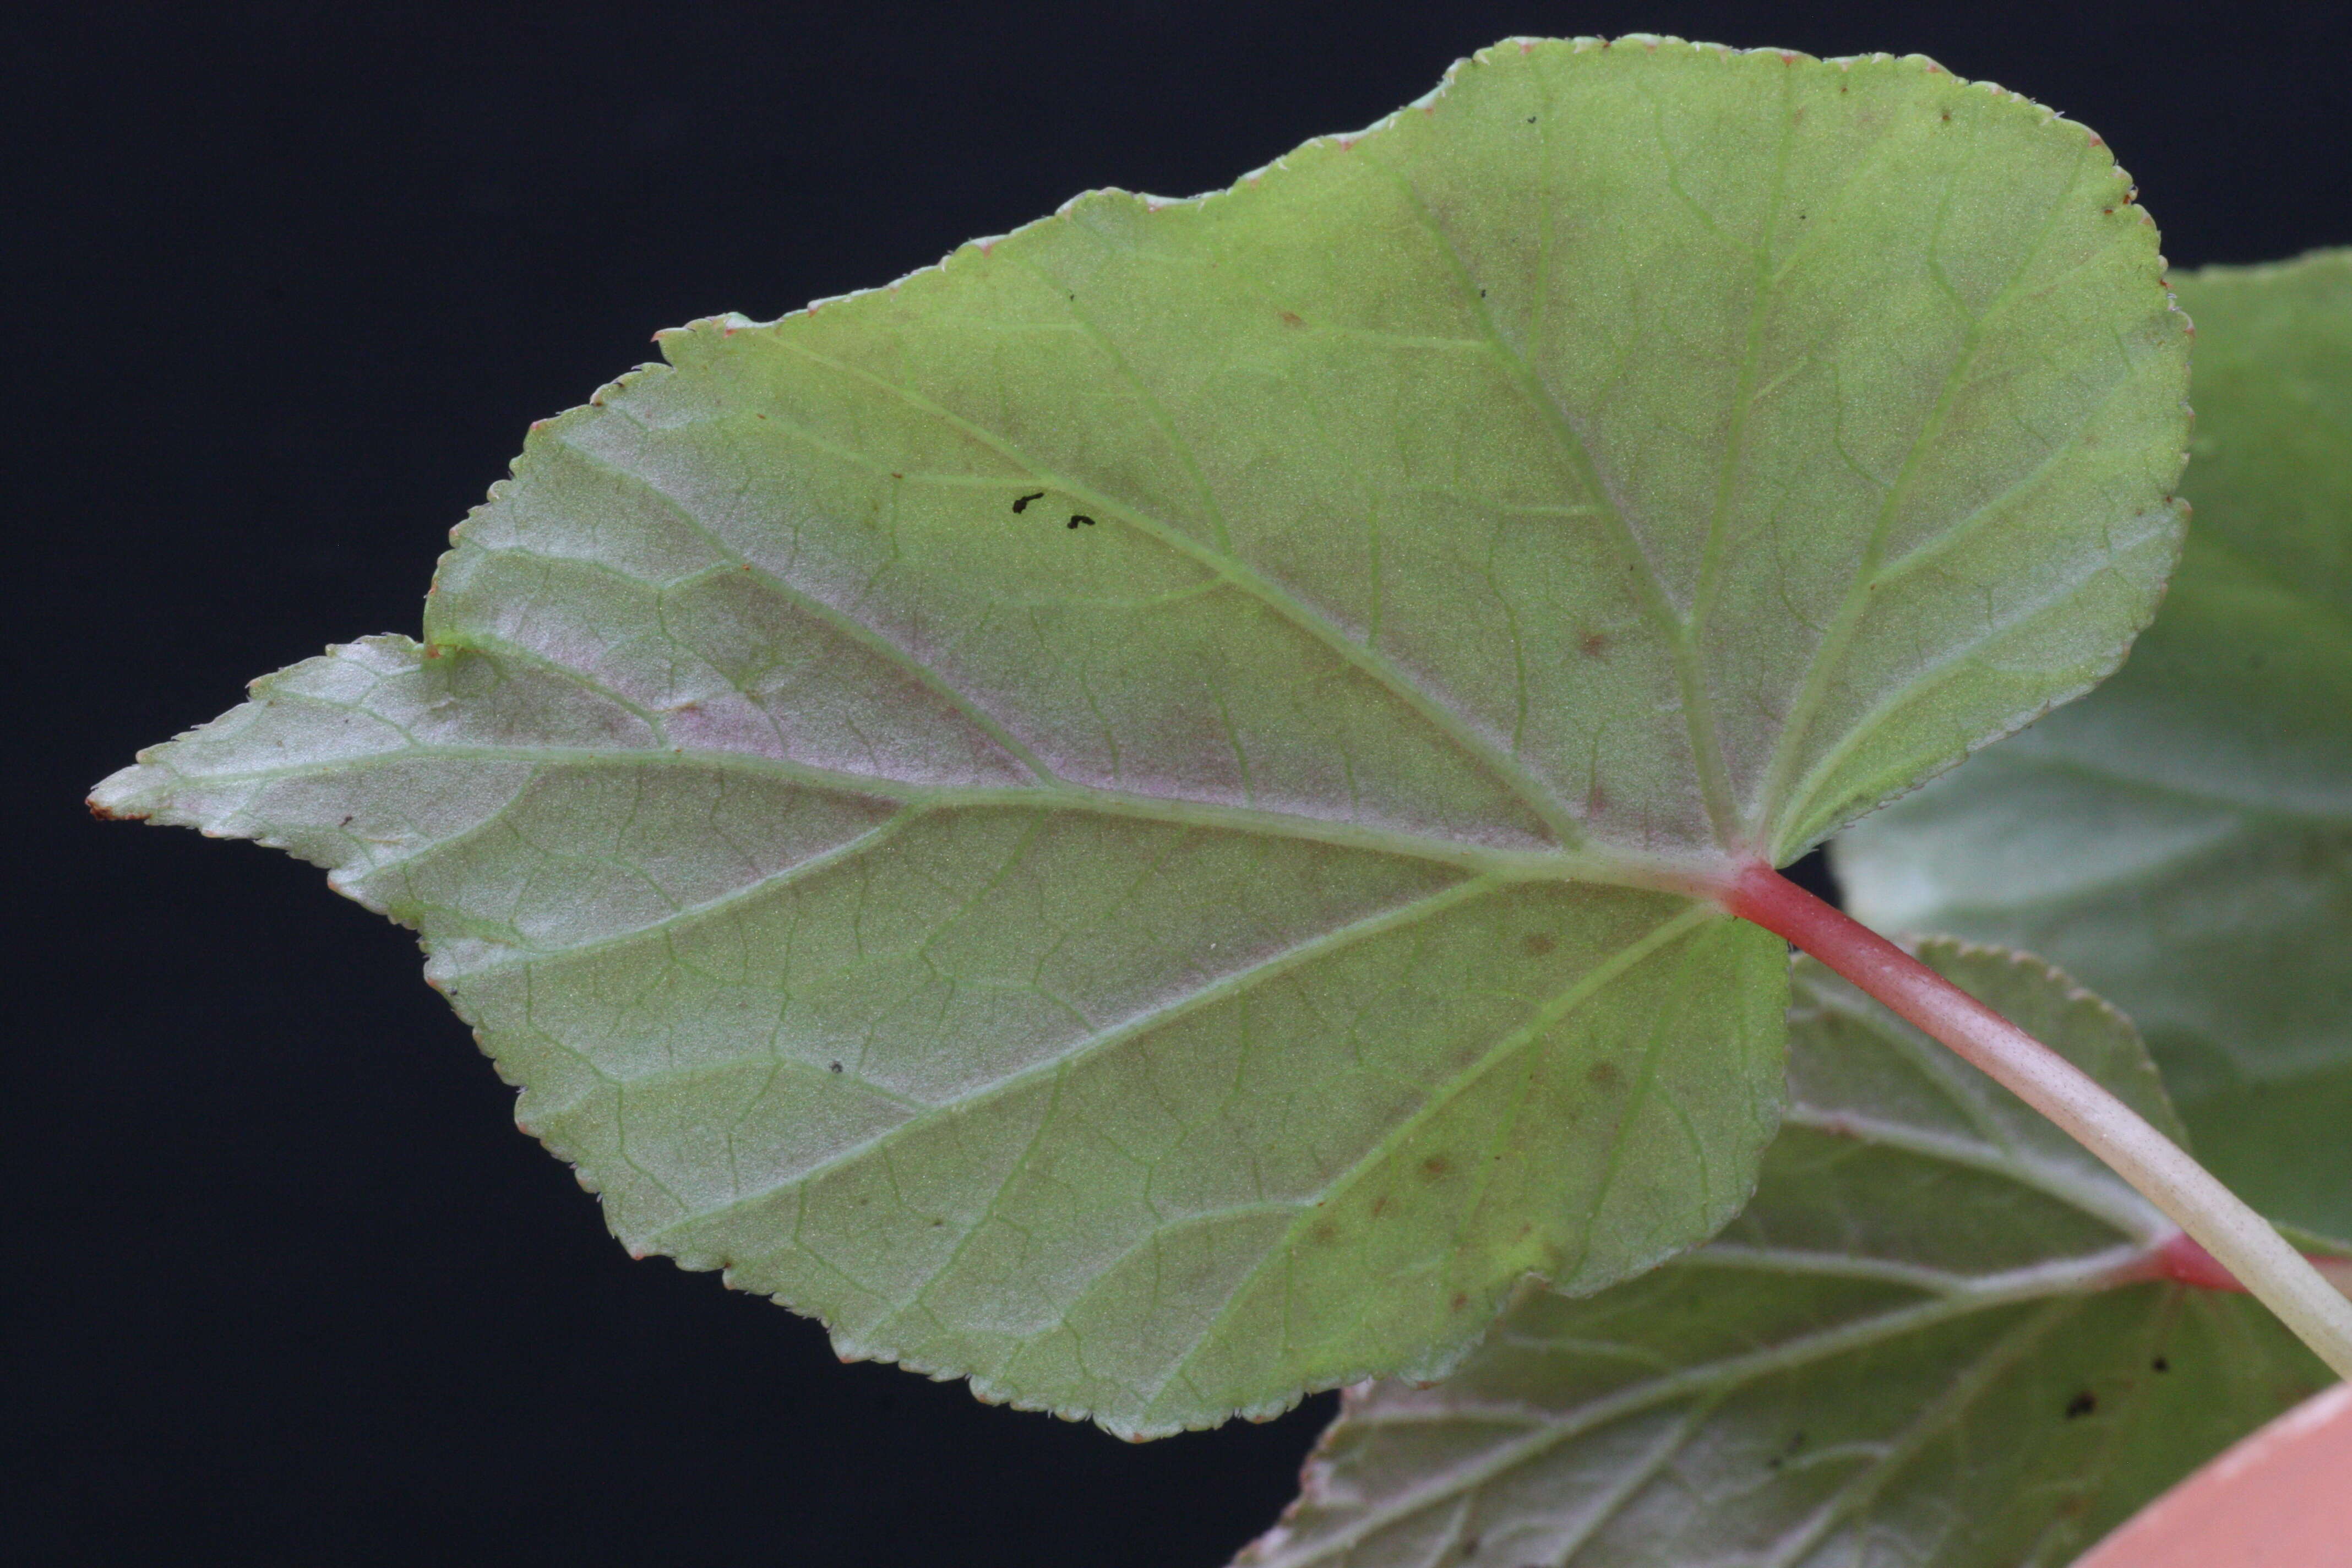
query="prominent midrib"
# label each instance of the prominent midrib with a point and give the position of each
(1615, 868)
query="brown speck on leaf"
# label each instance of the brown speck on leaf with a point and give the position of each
(1380, 1206)
(2082, 1403)
(1947, 115)
(1293, 319)
(1603, 1075)
(1537, 945)
(1436, 1165)
(1324, 1231)
(1592, 644)
(1461, 1299)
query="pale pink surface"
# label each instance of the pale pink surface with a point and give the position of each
(2281, 1498)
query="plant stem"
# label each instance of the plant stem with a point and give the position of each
(2244, 1243)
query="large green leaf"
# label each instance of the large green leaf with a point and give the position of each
(1117, 816)
(1915, 1347)
(2183, 838)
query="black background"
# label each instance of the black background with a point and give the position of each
(281, 1281)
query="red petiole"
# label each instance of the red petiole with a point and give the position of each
(2236, 1243)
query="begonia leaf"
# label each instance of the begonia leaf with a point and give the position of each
(1117, 817)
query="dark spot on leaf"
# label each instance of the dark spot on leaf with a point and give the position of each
(2159, 1364)
(1603, 1075)
(1536, 946)
(346, 822)
(1020, 503)
(2082, 1403)
(1380, 1206)
(1947, 115)
(937, 1223)
(1531, 120)
(1293, 319)
(1482, 293)
(1460, 1300)
(834, 1067)
(1592, 644)
(1436, 1165)
(1078, 517)
(1324, 1231)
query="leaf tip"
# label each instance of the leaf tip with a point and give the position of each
(105, 812)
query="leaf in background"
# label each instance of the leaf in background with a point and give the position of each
(2182, 841)
(1911, 1348)
(1094, 816)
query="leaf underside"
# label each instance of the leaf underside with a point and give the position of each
(1097, 817)
(2182, 839)
(1909, 1348)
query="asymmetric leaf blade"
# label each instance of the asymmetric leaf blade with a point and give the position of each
(1120, 817)
(1920, 1345)
(2182, 839)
